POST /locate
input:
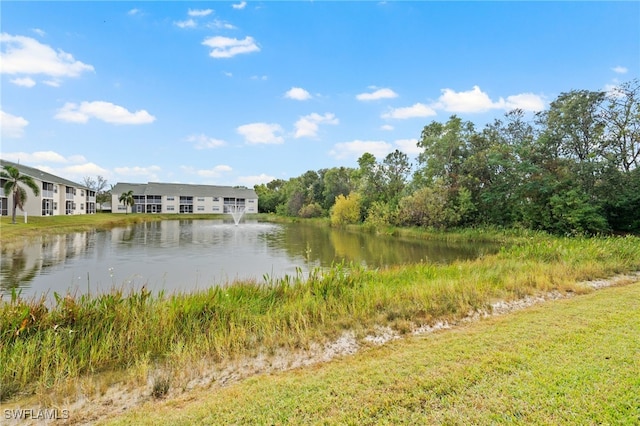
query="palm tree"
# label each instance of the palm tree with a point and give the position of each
(13, 177)
(126, 198)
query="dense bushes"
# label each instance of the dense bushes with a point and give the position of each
(571, 169)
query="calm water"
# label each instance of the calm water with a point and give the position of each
(183, 255)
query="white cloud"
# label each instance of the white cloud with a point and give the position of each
(220, 24)
(620, 70)
(79, 171)
(475, 100)
(613, 89)
(25, 55)
(133, 12)
(416, 110)
(24, 82)
(386, 127)
(408, 146)
(38, 31)
(525, 102)
(200, 12)
(216, 171)
(240, 5)
(308, 125)
(378, 94)
(11, 125)
(297, 93)
(189, 23)
(356, 148)
(43, 157)
(261, 133)
(250, 181)
(52, 83)
(226, 47)
(150, 172)
(228, 74)
(105, 111)
(77, 166)
(76, 159)
(35, 157)
(255, 77)
(205, 142)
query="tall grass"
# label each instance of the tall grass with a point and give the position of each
(573, 362)
(43, 347)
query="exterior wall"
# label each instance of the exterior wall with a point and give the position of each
(57, 196)
(33, 206)
(72, 200)
(182, 204)
(170, 204)
(252, 205)
(90, 204)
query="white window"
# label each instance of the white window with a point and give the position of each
(216, 209)
(170, 198)
(81, 206)
(171, 208)
(216, 198)
(200, 198)
(200, 208)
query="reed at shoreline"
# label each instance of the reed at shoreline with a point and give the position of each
(44, 348)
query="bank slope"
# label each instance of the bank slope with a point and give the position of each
(571, 361)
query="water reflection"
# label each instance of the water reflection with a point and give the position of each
(185, 255)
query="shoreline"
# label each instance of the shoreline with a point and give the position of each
(121, 398)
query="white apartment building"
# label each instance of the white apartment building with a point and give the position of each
(154, 197)
(58, 196)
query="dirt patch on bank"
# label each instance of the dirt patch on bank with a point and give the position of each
(92, 405)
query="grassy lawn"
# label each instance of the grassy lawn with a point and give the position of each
(39, 226)
(573, 361)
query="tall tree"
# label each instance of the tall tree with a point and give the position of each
(368, 180)
(445, 146)
(575, 126)
(127, 199)
(12, 186)
(396, 169)
(337, 181)
(495, 169)
(622, 118)
(99, 184)
(270, 195)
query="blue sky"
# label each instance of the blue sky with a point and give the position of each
(240, 93)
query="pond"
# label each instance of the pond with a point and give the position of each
(186, 255)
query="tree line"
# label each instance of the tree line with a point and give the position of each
(570, 169)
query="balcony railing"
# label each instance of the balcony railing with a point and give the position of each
(47, 194)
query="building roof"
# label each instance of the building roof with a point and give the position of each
(41, 175)
(182, 189)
